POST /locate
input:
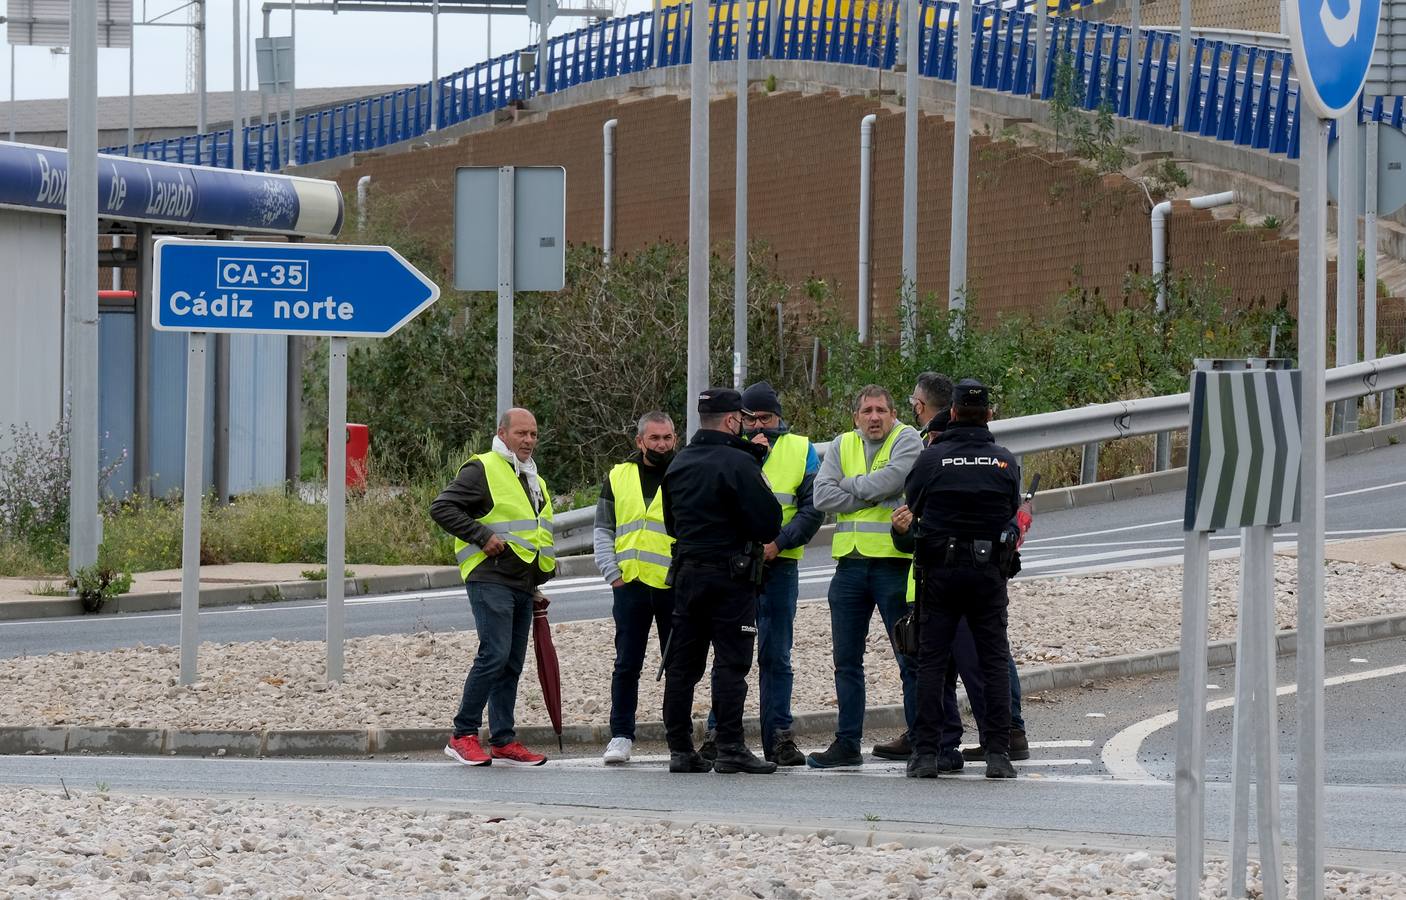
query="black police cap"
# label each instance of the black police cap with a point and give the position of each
(719, 400)
(971, 394)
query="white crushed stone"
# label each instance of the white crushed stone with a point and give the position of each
(415, 680)
(95, 845)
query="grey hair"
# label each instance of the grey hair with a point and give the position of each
(873, 390)
(655, 417)
(935, 389)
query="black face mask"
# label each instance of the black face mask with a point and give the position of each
(659, 459)
(771, 434)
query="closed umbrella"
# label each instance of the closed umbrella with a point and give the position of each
(548, 667)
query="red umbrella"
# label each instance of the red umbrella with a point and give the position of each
(548, 668)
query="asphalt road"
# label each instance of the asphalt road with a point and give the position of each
(1076, 789)
(1365, 496)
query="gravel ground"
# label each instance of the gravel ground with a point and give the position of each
(95, 845)
(415, 680)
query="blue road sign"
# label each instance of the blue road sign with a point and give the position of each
(332, 290)
(1332, 42)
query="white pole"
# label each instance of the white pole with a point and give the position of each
(866, 166)
(1042, 40)
(293, 80)
(1369, 247)
(193, 491)
(698, 374)
(739, 244)
(1313, 266)
(434, 68)
(506, 226)
(1257, 559)
(236, 132)
(1134, 44)
(131, 90)
(12, 93)
(336, 504)
(1349, 161)
(202, 104)
(1240, 734)
(961, 153)
(1190, 786)
(1184, 65)
(912, 44)
(81, 285)
(607, 241)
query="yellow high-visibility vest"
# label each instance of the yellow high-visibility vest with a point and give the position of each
(785, 468)
(512, 518)
(642, 547)
(866, 531)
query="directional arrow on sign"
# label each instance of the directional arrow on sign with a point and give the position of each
(329, 290)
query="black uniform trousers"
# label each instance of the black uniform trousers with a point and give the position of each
(951, 593)
(711, 608)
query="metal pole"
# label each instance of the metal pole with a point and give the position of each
(698, 374)
(220, 450)
(912, 42)
(294, 159)
(336, 503)
(277, 101)
(1241, 727)
(1042, 41)
(131, 90)
(141, 363)
(434, 67)
(1369, 247)
(192, 490)
(542, 56)
(293, 413)
(1349, 159)
(1191, 718)
(1088, 463)
(81, 285)
(866, 216)
(1184, 64)
(1257, 559)
(236, 128)
(1313, 265)
(1163, 451)
(1134, 44)
(739, 244)
(506, 225)
(961, 153)
(263, 95)
(12, 93)
(607, 240)
(201, 105)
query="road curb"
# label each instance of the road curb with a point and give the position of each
(57, 739)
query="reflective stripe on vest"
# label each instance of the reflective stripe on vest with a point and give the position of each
(642, 545)
(528, 533)
(785, 468)
(867, 531)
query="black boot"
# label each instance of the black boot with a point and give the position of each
(922, 765)
(949, 761)
(836, 756)
(1020, 747)
(784, 751)
(709, 750)
(737, 758)
(687, 762)
(998, 765)
(897, 749)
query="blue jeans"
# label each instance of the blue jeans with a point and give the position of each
(776, 625)
(861, 584)
(503, 619)
(636, 607)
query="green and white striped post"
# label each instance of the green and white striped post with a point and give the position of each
(1242, 472)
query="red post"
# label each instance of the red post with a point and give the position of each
(358, 456)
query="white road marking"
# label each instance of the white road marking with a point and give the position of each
(1120, 753)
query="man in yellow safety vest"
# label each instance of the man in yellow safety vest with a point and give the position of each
(500, 514)
(633, 552)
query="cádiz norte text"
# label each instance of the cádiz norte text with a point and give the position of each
(233, 306)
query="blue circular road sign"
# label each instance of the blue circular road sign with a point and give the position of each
(1333, 42)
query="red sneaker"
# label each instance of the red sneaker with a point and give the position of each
(468, 751)
(515, 754)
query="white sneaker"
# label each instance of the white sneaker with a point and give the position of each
(618, 750)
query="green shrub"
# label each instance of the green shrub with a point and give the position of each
(97, 584)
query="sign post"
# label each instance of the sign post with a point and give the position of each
(337, 291)
(1332, 56)
(1242, 471)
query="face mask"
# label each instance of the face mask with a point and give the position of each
(658, 458)
(772, 434)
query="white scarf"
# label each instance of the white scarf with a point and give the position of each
(529, 468)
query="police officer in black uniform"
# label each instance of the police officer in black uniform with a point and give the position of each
(964, 492)
(721, 513)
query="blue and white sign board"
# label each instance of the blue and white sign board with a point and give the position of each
(323, 290)
(1332, 42)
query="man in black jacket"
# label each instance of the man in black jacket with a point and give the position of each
(721, 513)
(963, 492)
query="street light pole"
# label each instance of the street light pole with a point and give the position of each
(912, 43)
(698, 373)
(236, 127)
(739, 283)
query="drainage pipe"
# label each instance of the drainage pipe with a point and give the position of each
(866, 166)
(607, 240)
(1160, 212)
(363, 189)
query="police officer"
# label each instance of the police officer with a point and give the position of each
(963, 492)
(721, 513)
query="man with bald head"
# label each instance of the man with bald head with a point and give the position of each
(500, 514)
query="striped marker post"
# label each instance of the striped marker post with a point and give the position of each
(1242, 472)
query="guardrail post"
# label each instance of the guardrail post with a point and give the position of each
(1088, 466)
(1163, 462)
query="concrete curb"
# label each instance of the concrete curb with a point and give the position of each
(55, 739)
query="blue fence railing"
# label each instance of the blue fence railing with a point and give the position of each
(1242, 94)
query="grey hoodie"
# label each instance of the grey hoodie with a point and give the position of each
(836, 493)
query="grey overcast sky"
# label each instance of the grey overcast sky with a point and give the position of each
(351, 48)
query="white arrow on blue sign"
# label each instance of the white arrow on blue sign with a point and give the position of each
(327, 290)
(1332, 42)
